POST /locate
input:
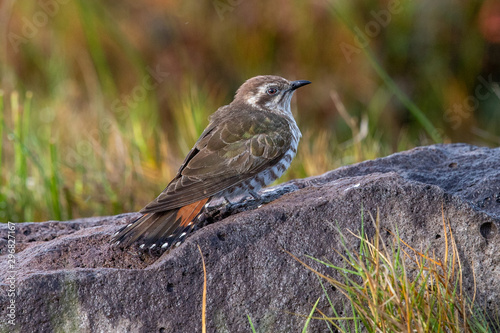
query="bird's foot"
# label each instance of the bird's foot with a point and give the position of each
(254, 200)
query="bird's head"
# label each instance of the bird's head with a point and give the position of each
(268, 92)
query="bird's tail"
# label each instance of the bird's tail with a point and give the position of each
(161, 229)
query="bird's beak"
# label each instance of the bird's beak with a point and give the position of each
(297, 84)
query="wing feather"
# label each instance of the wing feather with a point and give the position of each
(228, 152)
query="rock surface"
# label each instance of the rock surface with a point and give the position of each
(68, 279)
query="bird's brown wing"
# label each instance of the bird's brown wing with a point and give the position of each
(228, 152)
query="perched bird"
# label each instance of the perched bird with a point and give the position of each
(247, 145)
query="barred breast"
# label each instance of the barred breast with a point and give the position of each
(269, 175)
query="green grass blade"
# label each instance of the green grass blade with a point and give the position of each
(2, 124)
(54, 183)
(403, 98)
(17, 120)
(91, 30)
(331, 305)
(3, 168)
(251, 324)
(304, 330)
(391, 85)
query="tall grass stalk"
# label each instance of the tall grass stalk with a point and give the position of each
(20, 178)
(91, 29)
(2, 124)
(3, 185)
(344, 15)
(403, 98)
(18, 198)
(54, 182)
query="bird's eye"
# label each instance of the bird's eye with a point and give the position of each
(272, 91)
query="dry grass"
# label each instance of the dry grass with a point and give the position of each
(204, 296)
(400, 289)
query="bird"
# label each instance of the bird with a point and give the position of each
(247, 145)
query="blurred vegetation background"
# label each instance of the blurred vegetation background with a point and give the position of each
(101, 100)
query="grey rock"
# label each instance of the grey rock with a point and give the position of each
(68, 278)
